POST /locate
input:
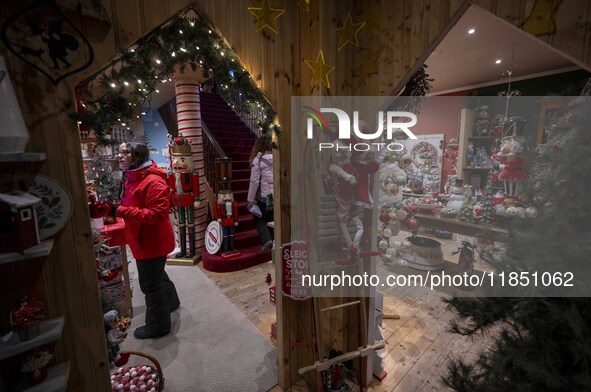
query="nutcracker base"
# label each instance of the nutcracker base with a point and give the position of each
(183, 261)
(229, 256)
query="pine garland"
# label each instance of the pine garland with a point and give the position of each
(183, 42)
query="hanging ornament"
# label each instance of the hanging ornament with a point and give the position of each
(320, 70)
(348, 33)
(266, 16)
(369, 66)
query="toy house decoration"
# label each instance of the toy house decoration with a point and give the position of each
(18, 221)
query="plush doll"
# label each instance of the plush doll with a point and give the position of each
(184, 185)
(115, 336)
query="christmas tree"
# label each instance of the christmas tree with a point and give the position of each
(100, 172)
(540, 343)
(487, 200)
(465, 214)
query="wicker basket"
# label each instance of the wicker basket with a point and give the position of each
(120, 374)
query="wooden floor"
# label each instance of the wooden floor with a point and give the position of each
(418, 345)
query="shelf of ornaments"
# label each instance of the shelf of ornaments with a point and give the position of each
(43, 249)
(49, 331)
(56, 381)
(453, 145)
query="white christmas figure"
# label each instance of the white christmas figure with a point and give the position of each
(366, 167)
(345, 177)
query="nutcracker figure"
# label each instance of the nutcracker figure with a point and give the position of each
(184, 184)
(226, 213)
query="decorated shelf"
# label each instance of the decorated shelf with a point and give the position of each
(41, 250)
(56, 381)
(49, 331)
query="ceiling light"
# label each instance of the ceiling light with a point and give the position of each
(471, 30)
(498, 61)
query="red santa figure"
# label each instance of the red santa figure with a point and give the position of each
(511, 164)
(226, 213)
(184, 184)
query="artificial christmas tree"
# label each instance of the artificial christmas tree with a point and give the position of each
(100, 172)
(466, 211)
(487, 200)
(541, 344)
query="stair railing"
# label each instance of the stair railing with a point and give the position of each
(252, 117)
(212, 152)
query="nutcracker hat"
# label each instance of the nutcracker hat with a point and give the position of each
(181, 146)
(224, 186)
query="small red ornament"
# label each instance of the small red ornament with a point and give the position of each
(411, 224)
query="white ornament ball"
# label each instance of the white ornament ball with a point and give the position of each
(511, 211)
(120, 387)
(142, 378)
(531, 212)
(133, 374)
(500, 209)
(120, 370)
(143, 388)
(127, 374)
(520, 212)
(387, 232)
(383, 245)
(396, 244)
(406, 245)
(132, 388)
(148, 370)
(153, 390)
(150, 383)
(154, 376)
(113, 377)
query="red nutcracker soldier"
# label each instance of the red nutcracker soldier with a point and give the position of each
(184, 185)
(226, 213)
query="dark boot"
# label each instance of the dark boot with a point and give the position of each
(191, 242)
(183, 241)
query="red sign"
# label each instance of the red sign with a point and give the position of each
(295, 262)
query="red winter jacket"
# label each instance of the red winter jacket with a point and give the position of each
(144, 207)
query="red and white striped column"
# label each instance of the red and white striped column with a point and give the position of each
(188, 110)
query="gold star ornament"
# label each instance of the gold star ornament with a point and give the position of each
(266, 16)
(348, 33)
(320, 70)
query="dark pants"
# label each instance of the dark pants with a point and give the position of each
(266, 233)
(160, 293)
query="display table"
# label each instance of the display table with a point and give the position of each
(115, 236)
(481, 230)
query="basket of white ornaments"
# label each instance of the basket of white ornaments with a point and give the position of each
(140, 378)
(511, 209)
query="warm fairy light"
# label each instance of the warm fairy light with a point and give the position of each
(113, 85)
(158, 61)
(471, 30)
(126, 83)
(498, 61)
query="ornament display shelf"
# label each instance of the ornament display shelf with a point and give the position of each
(452, 145)
(481, 230)
(49, 331)
(41, 250)
(56, 381)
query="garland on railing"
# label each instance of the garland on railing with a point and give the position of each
(183, 42)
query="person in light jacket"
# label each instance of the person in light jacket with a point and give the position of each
(260, 190)
(145, 205)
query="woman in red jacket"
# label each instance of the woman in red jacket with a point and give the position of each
(145, 206)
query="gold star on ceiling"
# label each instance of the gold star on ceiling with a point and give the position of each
(320, 70)
(266, 16)
(369, 66)
(348, 33)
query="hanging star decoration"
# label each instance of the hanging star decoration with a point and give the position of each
(266, 16)
(305, 5)
(320, 70)
(369, 66)
(373, 18)
(348, 33)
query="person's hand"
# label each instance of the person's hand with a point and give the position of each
(113, 211)
(219, 221)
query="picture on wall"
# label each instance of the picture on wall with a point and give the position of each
(424, 172)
